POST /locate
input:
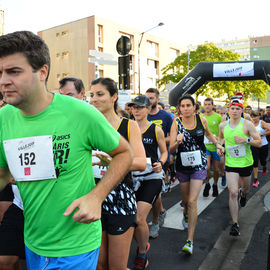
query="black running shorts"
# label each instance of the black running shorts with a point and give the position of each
(6, 195)
(243, 172)
(11, 232)
(117, 224)
(149, 191)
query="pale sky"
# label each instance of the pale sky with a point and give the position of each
(185, 21)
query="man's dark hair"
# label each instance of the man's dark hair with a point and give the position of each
(30, 45)
(153, 90)
(78, 83)
(210, 99)
(189, 97)
(268, 107)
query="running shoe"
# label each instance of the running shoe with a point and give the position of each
(185, 221)
(153, 230)
(215, 190)
(188, 247)
(264, 172)
(242, 199)
(147, 249)
(206, 190)
(161, 217)
(255, 183)
(223, 181)
(235, 230)
(141, 263)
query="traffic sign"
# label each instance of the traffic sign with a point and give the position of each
(102, 61)
(100, 54)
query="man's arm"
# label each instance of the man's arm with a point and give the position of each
(89, 206)
(4, 177)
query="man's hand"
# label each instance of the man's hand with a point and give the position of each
(220, 150)
(88, 209)
(157, 167)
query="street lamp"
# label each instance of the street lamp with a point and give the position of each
(139, 55)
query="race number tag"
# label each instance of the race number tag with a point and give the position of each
(238, 150)
(31, 158)
(191, 158)
(148, 169)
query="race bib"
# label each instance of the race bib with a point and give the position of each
(238, 150)
(31, 158)
(192, 158)
(148, 169)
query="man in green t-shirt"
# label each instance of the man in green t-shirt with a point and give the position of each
(213, 119)
(46, 143)
(236, 132)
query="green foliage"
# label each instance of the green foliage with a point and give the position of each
(177, 70)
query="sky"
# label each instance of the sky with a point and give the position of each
(186, 22)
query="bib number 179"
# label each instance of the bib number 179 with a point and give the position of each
(27, 159)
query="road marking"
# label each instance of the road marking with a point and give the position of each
(175, 213)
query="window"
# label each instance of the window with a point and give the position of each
(152, 49)
(65, 53)
(58, 55)
(57, 34)
(100, 49)
(100, 33)
(173, 53)
(64, 33)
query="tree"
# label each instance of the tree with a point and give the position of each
(177, 70)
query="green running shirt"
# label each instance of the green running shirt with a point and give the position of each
(76, 128)
(236, 155)
(213, 124)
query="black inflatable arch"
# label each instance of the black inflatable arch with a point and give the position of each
(220, 71)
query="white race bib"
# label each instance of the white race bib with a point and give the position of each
(148, 169)
(192, 158)
(238, 150)
(31, 158)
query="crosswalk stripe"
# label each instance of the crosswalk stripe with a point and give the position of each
(175, 213)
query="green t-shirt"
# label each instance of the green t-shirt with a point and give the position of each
(213, 123)
(236, 155)
(76, 128)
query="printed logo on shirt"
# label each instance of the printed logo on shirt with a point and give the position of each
(61, 151)
(27, 171)
(147, 140)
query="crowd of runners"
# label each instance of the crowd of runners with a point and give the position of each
(78, 181)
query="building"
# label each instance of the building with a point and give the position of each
(240, 46)
(260, 48)
(70, 44)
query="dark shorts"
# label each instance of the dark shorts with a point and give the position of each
(149, 191)
(184, 177)
(117, 224)
(11, 233)
(243, 172)
(6, 195)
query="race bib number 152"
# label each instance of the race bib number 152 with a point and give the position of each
(31, 158)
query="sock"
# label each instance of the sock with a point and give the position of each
(162, 212)
(142, 255)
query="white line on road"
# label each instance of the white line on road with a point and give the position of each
(175, 213)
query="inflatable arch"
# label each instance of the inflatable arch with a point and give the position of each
(220, 71)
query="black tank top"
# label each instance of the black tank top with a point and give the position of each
(193, 140)
(123, 129)
(150, 143)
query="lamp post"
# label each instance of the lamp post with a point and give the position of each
(139, 55)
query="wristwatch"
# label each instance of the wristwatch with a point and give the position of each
(248, 140)
(161, 162)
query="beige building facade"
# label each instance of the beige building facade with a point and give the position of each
(70, 43)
